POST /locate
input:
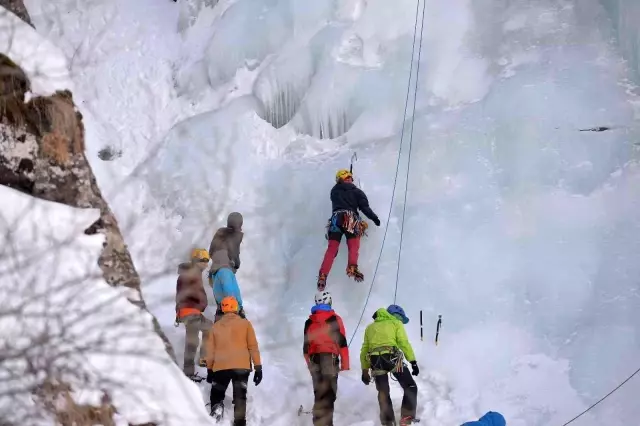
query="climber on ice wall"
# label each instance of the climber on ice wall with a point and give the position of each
(384, 347)
(326, 352)
(225, 255)
(346, 199)
(191, 301)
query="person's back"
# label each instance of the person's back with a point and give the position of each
(227, 239)
(233, 343)
(347, 196)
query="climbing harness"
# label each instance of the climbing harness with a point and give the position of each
(345, 221)
(389, 359)
(395, 180)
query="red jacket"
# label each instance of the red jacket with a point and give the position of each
(324, 333)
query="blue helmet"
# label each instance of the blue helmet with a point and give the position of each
(397, 310)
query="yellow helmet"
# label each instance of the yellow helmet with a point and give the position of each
(229, 304)
(199, 255)
(343, 174)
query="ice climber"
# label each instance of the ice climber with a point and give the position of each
(346, 199)
(191, 301)
(232, 348)
(491, 418)
(384, 346)
(326, 352)
(225, 256)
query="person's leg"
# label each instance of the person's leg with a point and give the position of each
(410, 397)
(240, 383)
(191, 341)
(219, 386)
(353, 245)
(205, 327)
(384, 399)
(330, 254)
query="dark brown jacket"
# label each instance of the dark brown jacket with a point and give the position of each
(190, 292)
(228, 239)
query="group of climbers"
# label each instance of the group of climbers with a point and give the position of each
(229, 347)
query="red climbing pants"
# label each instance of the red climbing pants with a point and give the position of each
(353, 245)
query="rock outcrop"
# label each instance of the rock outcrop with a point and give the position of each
(42, 154)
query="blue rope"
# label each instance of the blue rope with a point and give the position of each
(395, 179)
(406, 183)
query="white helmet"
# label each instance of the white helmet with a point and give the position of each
(323, 297)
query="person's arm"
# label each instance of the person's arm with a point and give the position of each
(363, 205)
(343, 345)
(233, 249)
(403, 343)
(252, 345)
(211, 348)
(364, 351)
(305, 343)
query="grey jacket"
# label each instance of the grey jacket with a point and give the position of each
(225, 245)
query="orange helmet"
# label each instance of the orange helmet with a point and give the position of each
(199, 255)
(229, 304)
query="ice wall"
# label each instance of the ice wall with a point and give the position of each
(625, 16)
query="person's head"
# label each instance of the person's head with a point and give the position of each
(229, 305)
(200, 258)
(398, 312)
(234, 221)
(323, 298)
(344, 175)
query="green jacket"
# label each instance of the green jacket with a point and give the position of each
(385, 330)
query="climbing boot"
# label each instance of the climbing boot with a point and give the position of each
(354, 272)
(322, 282)
(217, 411)
(195, 377)
(406, 421)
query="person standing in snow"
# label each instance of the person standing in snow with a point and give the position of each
(326, 352)
(225, 255)
(232, 348)
(191, 301)
(491, 418)
(384, 346)
(346, 199)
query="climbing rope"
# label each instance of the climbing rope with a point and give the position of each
(406, 182)
(395, 179)
(603, 398)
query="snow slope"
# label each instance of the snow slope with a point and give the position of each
(61, 318)
(520, 229)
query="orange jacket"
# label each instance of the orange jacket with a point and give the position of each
(232, 344)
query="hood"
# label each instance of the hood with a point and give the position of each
(382, 315)
(234, 221)
(322, 307)
(492, 418)
(321, 313)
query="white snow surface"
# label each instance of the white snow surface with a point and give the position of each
(65, 319)
(44, 64)
(520, 230)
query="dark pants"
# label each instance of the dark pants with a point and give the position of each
(239, 379)
(324, 375)
(404, 378)
(194, 325)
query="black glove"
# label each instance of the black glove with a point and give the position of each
(366, 378)
(209, 375)
(376, 221)
(257, 376)
(414, 368)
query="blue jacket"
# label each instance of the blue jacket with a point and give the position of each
(225, 284)
(490, 419)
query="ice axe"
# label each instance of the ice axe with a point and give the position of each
(354, 156)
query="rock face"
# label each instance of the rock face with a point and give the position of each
(17, 7)
(42, 154)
